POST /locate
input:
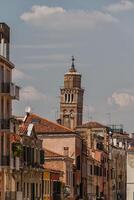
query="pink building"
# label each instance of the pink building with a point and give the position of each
(60, 140)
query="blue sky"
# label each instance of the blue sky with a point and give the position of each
(99, 33)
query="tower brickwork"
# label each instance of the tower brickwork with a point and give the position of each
(71, 101)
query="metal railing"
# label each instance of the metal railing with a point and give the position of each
(4, 124)
(5, 161)
(11, 89)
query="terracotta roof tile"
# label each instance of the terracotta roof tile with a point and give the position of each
(42, 125)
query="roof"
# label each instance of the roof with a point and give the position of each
(49, 153)
(48, 169)
(52, 155)
(42, 125)
(93, 125)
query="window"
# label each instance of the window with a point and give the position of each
(104, 172)
(72, 97)
(8, 109)
(32, 155)
(2, 144)
(2, 107)
(27, 189)
(17, 186)
(97, 170)
(45, 187)
(40, 189)
(41, 157)
(91, 170)
(65, 97)
(94, 169)
(28, 155)
(24, 154)
(78, 163)
(100, 171)
(24, 189)
(36, 190)
(68, 97)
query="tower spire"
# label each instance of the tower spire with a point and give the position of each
(72, 69)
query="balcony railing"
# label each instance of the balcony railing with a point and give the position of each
(10, 89)
(10, 195)
(5, 161)
(4, 124)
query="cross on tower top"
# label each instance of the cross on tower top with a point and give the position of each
(72, 69)
(73, 59)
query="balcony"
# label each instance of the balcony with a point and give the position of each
(5, 161)
(4, 124)
(10, 89)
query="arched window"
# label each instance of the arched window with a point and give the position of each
(65, 97)
(68, 97)
(72, 97)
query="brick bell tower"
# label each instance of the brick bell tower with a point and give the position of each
(71, 99)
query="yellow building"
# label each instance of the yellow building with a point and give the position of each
(47, 185)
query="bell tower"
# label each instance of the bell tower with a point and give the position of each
(71, 99)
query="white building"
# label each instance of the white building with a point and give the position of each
(130, 173)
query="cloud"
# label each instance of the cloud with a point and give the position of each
(29, 93)
(18, 75)
(123, 5)
(121, 99)
(39, 12)
(60, 19)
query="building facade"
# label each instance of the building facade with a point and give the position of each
(27, 165)
(130, 169)
(8, 92)
(65, 164)
(96, 137)
(57, 138)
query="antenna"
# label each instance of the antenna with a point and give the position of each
(30, 128)
(28, 109)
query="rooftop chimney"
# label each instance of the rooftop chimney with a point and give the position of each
(66, 151)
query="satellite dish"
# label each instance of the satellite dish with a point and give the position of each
(30, 128)
(28, 109)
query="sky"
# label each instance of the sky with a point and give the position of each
(99, 33)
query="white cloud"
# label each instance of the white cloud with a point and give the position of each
(41, 12)
(38, 14)
(60, 19)
(18, 75)
(30, 93)
(121, 99)
(123, 5)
